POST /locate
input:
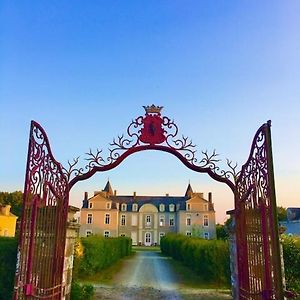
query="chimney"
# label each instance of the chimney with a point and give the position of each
(134, 195)
(167, 195)
(210, 197)
(86, 196)
(115, 192)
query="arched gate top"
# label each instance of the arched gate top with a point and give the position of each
(151, 131)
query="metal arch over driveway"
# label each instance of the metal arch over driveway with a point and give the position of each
(40, 261)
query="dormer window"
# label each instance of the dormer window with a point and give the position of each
(161, 207)
(134, 207)
(171, 207)
(123, 207)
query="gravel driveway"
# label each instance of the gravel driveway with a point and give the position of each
(148, 275)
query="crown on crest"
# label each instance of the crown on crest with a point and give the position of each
(153, 109)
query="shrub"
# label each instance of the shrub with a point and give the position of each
(81, 292)
(291, 256)
(98, 253)
(8, 255)
(208, 258)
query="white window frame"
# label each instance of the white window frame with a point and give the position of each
(106, 233)
(171, 207)
(172, 218)
(161, 207)
(123, 207)
(188, 206)
(161, 234)
(188, 220)
(134, 207)
(107, 219)
(162, 220)
(123, 220)
(205, 221)
(89, 219)
(88, 233)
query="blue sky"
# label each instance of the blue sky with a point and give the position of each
(84, 69)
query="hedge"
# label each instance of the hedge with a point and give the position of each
(8, 256)
(208, 258)
(95, 253)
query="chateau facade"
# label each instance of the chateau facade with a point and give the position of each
(145, 219)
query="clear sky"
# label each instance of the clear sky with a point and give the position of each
(84, 69)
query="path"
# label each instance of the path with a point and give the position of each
(148, 275)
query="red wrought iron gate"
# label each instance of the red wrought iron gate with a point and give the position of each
(39, 272)
(260, 273)
(41, 247)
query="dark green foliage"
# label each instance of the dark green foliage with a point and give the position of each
(222, 233)
(281, 213)
(209, 258)
(100, 253)
(14, 199)
(8, 255)
(82, 292)
(291, 256)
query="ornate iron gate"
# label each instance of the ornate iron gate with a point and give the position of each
(258, 249)
(47, 185)
(43, 225)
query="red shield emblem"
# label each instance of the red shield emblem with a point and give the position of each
(152, 132)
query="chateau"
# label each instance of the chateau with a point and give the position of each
(147, 218)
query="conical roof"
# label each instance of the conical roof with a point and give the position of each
(189, 191)
(108, 188)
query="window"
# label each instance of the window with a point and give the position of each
(91, 205)
(122, 234)
(171, 207)
(107, 205)
(106, 233)
(107, 218)
(188, 220)
(205, 220)
(161, 220)
(206, 235)
(188, 233)
(88, 233)
(205, 207)
(123, 207)
(134, 207)
(148, 220)
(188, 206)
(89, 219)
(133, 220)
(123, 220)
(171, 221)
(161, 207)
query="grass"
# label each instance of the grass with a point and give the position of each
(144, 248)
(106, 276)
(190, 279)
